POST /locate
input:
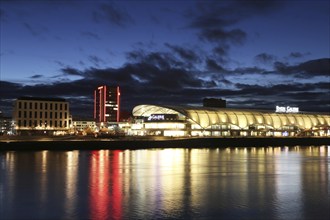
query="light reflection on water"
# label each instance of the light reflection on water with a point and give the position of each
(228, 183)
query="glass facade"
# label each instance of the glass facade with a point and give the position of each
(204, 121)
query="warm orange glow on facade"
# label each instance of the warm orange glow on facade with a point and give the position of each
(47, 115)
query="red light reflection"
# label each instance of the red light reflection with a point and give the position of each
(116, 189)
(105, 185)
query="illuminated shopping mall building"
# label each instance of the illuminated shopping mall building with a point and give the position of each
(107, 104)
(210, 121)
(41, 115)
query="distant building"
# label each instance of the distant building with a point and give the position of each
(41, 115)
(107, 104)
(215, 103)
(5, 124)
(83, 124)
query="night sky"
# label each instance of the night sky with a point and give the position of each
(254, 54)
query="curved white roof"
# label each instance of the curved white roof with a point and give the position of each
(205, 117)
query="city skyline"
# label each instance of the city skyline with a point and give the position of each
(254, 54)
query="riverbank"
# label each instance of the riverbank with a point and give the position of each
(89, 143)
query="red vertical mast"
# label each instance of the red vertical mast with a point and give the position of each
(104, 103)
(118, 103)
(100, 103)
(95, 105)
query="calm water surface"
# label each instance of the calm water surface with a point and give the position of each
(229, 183)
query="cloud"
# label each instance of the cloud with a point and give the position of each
(71, 71)
(297, 54)
(217, 35)
(309, 69)
(59, 63)
(112, 14)
(265, 58)
(146, 75)
(220, 50)
(36, 76)
(184, 53)
(284, 88)
(212, 65)
(211, 21)
(95, 60)
(9, 87)
(9, 92)
(162, 60)
(215, 21)
(159, 78)
(249, 70)
(183, 74)
(294, 94)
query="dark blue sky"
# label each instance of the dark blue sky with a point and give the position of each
(254, 54)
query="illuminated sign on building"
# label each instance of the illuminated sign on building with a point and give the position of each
(287, 109)
(156, 117)
(162, 117)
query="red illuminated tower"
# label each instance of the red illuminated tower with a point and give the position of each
(107, 104)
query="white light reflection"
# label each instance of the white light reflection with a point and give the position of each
(288, 183)
(7, 181)
(322, 151)
(43, 176)
(277, 150)
(159, 174)
(71, 182)
(44, 161)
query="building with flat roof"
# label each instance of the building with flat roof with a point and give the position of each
(107, 104)
(207, 121)
(41, 115)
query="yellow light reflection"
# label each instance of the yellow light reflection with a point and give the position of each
(277, 150)
(44, 161)
(43, 174)
(9, 172)
(245, 150)
(71, 181)
(165, 175)
(322, 151)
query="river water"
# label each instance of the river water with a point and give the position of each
(177, 183)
